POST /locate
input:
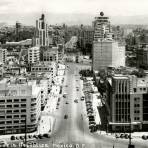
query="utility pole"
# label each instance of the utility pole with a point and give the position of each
(26, 131)
(130, 142)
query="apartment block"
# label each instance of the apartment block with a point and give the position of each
(33, 55)
(3, 55)
(20, 104)
(107, 53)
(129, 103)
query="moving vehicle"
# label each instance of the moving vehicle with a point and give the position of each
(82, 98)
(66, 102)
(65, 116)
(76, 100)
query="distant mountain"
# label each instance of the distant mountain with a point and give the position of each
(70, 19)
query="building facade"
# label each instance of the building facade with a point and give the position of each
(33, 55)
(42, 37)
(142, 56)
(129, 103)
(20, 105)
(107, 53)
(3, 56)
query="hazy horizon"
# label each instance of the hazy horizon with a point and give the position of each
(73, 12)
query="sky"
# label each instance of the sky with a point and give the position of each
(9, 9)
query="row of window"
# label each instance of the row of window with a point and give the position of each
(12, 106)
(136, 118)
(12, 100)
(12, 122)
(12, 116)
(141, 89)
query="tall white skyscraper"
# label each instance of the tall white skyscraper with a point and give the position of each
(106, 51)
(42, 38)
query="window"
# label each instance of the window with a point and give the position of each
(9, 117)
(23, 100)
(2, 122)
(23, 110)
(16, 100)
(16, 116)
(17, 121)
(23, 105)
(134, 89)
(2, 117)
(9, 100)
(23, 116)
(1, 101)
(9, 122)
(9, 111)
(16, 105)
(16, 111)
(9, 106)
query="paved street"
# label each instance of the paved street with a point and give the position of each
(74, 130)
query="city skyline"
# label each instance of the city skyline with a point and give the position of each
(82, 11)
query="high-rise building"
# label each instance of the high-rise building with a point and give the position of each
(20, 103)
(3, 55)
(106, 51)
(129, 103)
(33, 55)
(102, 28)
(142, 56)
(41, 38)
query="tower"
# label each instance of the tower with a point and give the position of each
(102, 28)
(42, 38)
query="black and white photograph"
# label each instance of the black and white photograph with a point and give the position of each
(73, 73)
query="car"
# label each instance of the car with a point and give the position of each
(30, 136)
(17, 138)
(57, 108)
(40, 136)
(77, 89)
(76, 100)
(82, 98)
(144, 137)
(66, 103)
(122, 135)
(12, 137)
(126, 136)
(22, 137)
(117, 136)
(46, 135)
(65, 116)
(35, 136)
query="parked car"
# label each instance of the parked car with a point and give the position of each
(35, 136)
(117, 136)
(76, 100)
(40, 136)
(22, 137)
(65, 116)
(46, 135)
(122, 135)
(144, 137)
(12, 138)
